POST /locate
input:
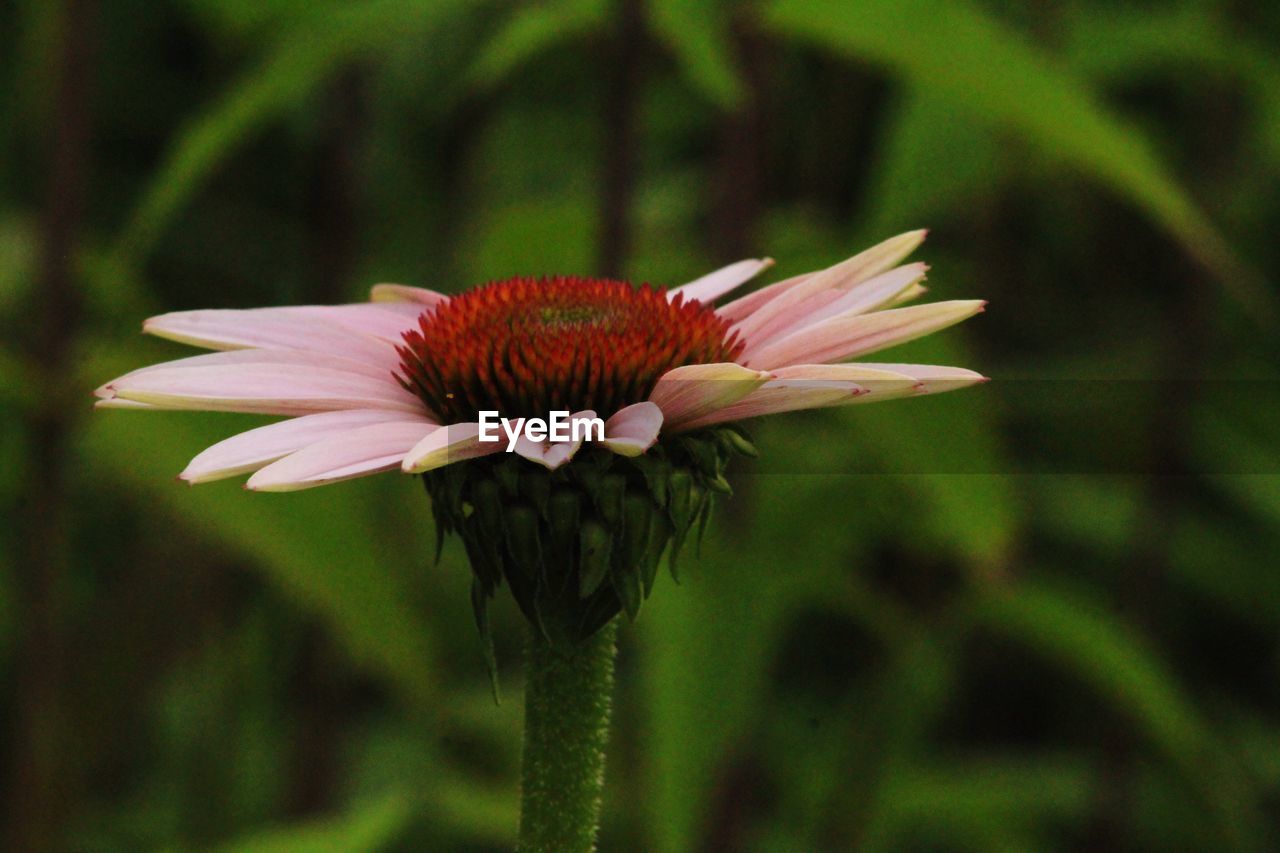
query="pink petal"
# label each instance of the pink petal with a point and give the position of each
(713, 285)
(911, 294)
(272, 328)
(780, 395)
(269, 389)
(848, 336)
(633, 429)
(391, 293)
(867, 296)
(552, 454)
(249, 451)
(843, 275)
(252, 356)
(354, 453)
(932, 378)
(387, 320)
(689, 392)
(453, 443)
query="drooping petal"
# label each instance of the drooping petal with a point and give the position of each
(363, 450)
(251, 356)
(752, 315)
(692, 391)
(391, 293)
(387, 320)
(269, 389)
(815, 386)
(933, 378)
(633, 429)
(453, 443)
(780, 395)
(248, 451)
(849, 335)
(713, 285)
(552, 454)
(869, 295)
(271, 328)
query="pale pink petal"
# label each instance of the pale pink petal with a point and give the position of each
(387, 320)
(117, 403)
(391, 293)
(869, 295)
(249, 451)
(454, 443)
(690, 392)
(633, 429)
(780, 395)
(354, 453)
(253, 356)
(553, 454)
(848, 336)
(713, 285)
(933, 378)
(269, 389)
(271, 328)
(911, 294)
(842, 276)
(744, 306)
(814, 386)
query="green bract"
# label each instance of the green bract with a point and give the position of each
(579, 544)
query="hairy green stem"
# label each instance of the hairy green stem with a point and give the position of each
(566, 727)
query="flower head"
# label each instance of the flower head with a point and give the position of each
(401, 382)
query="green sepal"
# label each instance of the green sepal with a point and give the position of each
(564, 509)
(609, 496)
(535, 486)
(522, 539)
(735, 439)
(593, 557)
(480, 610)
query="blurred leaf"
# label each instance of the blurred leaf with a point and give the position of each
(321, 547)
(958, 51)
(984, 791)
(695, 32)
(531, 30)
(1105, 652)
(369, 827)
(934, 160)
(303, 60)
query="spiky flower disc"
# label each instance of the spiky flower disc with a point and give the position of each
(525, 347)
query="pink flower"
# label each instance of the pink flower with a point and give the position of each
(399, 382)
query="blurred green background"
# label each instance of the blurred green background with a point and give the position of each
(1040, 614)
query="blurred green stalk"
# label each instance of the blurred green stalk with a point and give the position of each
(566, 727)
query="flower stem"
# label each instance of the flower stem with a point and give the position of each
(566, 727)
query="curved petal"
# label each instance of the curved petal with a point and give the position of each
(849, 335)
(392, 293)
(552, 454)
(248, 451)
(932, 378)
(453, 443)
(875, 292)
(689, 392)
(269, 389)
(844, 275)
(250, 356)
(781, 395)
(713, 285)
(271, 328)
(387, 320)
(633, 429)
(354, 453)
